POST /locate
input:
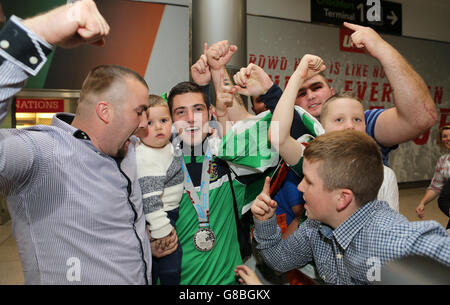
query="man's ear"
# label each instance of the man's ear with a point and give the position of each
(103, 110)
(344, 198)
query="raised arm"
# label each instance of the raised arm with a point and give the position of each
(288, 147)
(71, 25)
(414, 110)
(254, 81)
(200, 72)
(224, 100)
(219, 54)
(66, 26)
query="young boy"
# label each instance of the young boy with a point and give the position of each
(348, 234)
(345, 111)
(161, 180)
(341, 111)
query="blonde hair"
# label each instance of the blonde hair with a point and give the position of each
(343, 94)
(156, 100)
(349, 159)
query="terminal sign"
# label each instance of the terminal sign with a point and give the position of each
(382, 16)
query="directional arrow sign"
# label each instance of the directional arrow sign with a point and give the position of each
(392, 17)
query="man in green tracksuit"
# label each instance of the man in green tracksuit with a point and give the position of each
(206, 226)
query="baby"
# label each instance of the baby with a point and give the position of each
(161, 180)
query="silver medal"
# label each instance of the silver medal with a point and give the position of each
(204, 239)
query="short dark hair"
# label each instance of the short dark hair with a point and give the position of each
(350, 159)
(321, 74)
(183, 88)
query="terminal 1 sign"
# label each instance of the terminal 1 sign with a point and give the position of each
(382, 16)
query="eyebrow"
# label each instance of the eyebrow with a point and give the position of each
(141, 107)
(301, 90)
(312, 85)
(195, 105)
(306, 177)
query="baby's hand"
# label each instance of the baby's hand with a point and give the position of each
(164, 242)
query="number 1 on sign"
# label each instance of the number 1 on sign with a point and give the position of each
(373, 12)
(361, 11)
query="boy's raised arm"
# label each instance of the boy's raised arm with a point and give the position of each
(279, 133)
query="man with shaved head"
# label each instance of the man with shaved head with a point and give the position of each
(71, 188)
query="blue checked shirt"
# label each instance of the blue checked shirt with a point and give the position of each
(372, 236)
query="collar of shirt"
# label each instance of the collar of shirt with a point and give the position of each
(347, 230)
(64, 121)
(194, 151)
(67, 118)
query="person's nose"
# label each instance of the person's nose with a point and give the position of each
(189, 116)
(158, 125)
(349, 125)
(143, 121)
(310, 95)
(300, 186)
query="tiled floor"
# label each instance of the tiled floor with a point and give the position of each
(11, 269)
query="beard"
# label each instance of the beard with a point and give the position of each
(123, 151)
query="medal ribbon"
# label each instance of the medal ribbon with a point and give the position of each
(201, 206)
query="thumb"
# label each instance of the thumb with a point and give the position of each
(100, 43)
(85, 33)
(230, 52)
(205, 48)
(322, 68)
(273, 204)
(240, 90)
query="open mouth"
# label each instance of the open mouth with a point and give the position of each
(192, 129)
(312, 106)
